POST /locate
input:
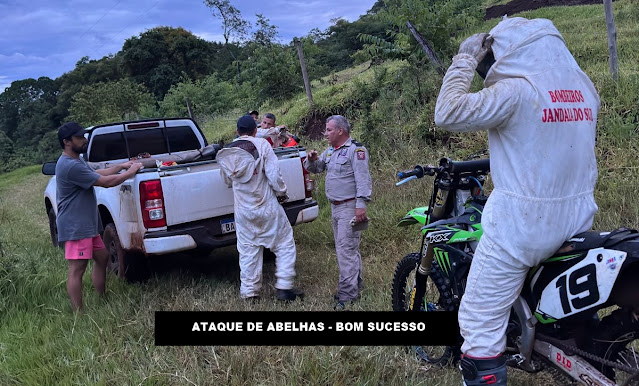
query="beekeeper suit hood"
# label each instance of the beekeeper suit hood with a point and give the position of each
(238, 163)
(540, 111)
(251, 167)
(516, 47)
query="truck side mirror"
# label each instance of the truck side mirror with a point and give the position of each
(48, 169)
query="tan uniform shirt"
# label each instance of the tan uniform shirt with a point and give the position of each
(347, 174)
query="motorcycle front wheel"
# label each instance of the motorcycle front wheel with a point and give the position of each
(402, 293)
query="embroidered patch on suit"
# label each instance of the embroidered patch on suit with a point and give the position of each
(361, 154)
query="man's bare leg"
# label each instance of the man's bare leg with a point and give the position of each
(74, 282)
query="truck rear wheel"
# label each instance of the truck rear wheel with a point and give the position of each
(53, 228)
(128, 265)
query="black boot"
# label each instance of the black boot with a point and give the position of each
(288, 295)
(479, 371)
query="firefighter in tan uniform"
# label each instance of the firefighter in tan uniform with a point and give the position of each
(348, 188)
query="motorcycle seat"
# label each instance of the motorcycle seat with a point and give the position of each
(595, 239)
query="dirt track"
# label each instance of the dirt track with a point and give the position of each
(517, 6)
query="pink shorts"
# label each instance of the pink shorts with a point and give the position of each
(82, 249)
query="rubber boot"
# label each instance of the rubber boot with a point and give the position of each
(483, 371)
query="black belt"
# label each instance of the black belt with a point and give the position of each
(341, 202)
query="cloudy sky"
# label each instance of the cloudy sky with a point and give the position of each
(47, 37)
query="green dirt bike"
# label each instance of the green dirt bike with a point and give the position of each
(554, 324)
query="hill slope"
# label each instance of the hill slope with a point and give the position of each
(517, 6)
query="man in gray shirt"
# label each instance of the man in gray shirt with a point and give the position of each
(348, 188)
(78, 219)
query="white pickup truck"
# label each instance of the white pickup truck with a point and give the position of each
(178, 201)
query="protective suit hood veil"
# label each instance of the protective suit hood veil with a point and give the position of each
(238, 163)
(525, 47)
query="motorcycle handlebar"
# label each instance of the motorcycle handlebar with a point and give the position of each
(456, 167)
(418, 171)
(481, 166)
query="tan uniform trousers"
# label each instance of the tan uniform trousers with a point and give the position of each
(349, 259)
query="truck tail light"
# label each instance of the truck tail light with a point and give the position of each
(152, 204)
(309, 184)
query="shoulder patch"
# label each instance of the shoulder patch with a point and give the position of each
(361, 153)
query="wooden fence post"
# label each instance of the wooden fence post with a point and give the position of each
(612, 39)
(428, 48)
(307, 83)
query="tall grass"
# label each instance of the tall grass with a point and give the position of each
(111, 343)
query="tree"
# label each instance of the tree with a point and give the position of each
(49, 147)
(439, 21)
(232, 25)
(6, 147)
(158, 57)
(207, 97)
(266, 33)
(86, 71)
(109, 102)
(25, 110)
(337, 44)
(274, 73)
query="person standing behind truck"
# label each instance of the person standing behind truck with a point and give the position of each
(250, 167)
(348, 188)
(269, 131)
(78, 220)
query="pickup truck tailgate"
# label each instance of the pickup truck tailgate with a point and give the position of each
(194, 193)
(198, 192)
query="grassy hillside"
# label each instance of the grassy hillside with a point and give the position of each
(111, 343)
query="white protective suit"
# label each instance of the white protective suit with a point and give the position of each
(540, 111)
(260, 221)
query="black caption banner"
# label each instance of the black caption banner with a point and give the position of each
(244, 328)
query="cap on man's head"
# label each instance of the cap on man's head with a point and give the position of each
(246, 124)
(253, 112)
(70, 129)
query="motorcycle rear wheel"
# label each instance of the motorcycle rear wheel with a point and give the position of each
(403, 286)
(618, 342)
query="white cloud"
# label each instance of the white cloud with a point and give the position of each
(211, 37)
(46, 38)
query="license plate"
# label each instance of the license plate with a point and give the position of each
(228, 226)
